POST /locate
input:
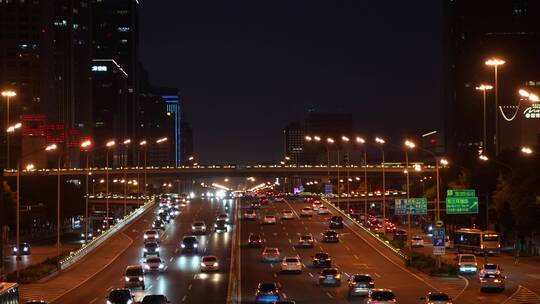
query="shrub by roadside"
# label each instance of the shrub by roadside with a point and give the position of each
(36, 272)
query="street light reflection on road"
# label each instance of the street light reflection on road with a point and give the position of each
(190, 263)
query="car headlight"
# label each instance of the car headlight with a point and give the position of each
(147, 266)
(129, 301)
(109, 302)
(145, 250)
(183, 245)
(195, 245)
(25, 249)
(193, 227)
(203, 265)
(15, 249)
(145, 236)
(127, 279)
(215, 225)
(140, 279)
(157, 248)
(161, 266)
(216, 264)
(82, 235)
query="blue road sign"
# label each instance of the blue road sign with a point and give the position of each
(438, 237)
(328, 189)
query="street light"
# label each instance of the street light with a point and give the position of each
(142, 145)
(484, 88)
(526, 150)
(362, 141)
(495, 63)
(346, 140)
(85, 146)
(110, 144)
(381, 143)
(161, 140)
(8, 94)
(483, 157)
(531, 96)
(408, 145)
(126, 144)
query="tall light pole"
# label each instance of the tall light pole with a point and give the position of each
(8, 95)
(142, 145)
(495, 63)
(346, 139)
(362, 141)
(331, 141)
(408, 145)
(85, 146)
(58, 219)
(484, 88)
(381, 143)
(126, 144)
(110, 144)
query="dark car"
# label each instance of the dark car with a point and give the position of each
(164, 217)
(255, 205)
(24, 249)
(120, 296)
(321, 259)
(336, 222)
(155, 299)
(360, 284)
(400, 235)
(330, 236)
(36, 302)
(158, 224)
(220, 225)
(267, 293)
(330, 276)
(255, 240)
(151, 248)
(190, 244)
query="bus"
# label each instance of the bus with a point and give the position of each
(477, 241)
(9, 293)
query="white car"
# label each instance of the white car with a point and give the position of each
(269, 219)
(250, 215)
(153, 264)
(316, 205)
(151, 236)
(287, 215)
(323, 210)
(417, 241)
(291, 264)
(306, 211)
(271, 254)
(467, 263)
(209, 263)
(198, 227)
(490, 268)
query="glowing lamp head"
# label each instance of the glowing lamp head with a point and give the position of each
(494, 62)
(51, 147)
(379, 140)
(9, 93)
(110, 143)
(142, 143)
(360, 140)
(410, 144)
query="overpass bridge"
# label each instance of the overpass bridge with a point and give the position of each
(204, 171)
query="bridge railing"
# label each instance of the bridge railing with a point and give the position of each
(80, 253)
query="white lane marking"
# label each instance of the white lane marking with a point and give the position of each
(329, 295)
(356, 257)
(293, 248)
(310, 274)
(184, 298)
(275, 275)
(95, 299)
(150, 286)
(466, 286)
(284, 295)
(347, 247)
(377, 275)
(189, 287)
(171, 259)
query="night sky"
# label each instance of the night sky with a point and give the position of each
(247, 69)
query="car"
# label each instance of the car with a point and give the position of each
(151, 248)
(209, 263)
(279, 199)
(400, 234)
(390, 228)
(155, 299)
(173, 212)
(220, 226)
(336, 222)
(291, 264)
(198, 227)
(151, 236)
(490, 281)
(189, 244)
(255, 240)
(250, 214)
(134, 276)
(287, 215)
(378, 228)
(269, 219)
(268, 293)
(417, 241)
(381, 296)
(164, 217)
(316, 205)
(255, 205)
(330, 276)
(158, 224)
(467, 263)
(24, 249)
(436, 298)
(154, 264)
(223, 216)
(271, 254)
(36, 302)
(323, 210)
(306, 240)
(120, 296)
(330, 236)
(360, 285)
(490, 268)
(321, 259)
(306, 211)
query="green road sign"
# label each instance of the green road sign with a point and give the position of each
(461, 193)
(461, 205)
(412, 206)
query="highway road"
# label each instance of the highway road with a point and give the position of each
(182, 281)
(353, 254)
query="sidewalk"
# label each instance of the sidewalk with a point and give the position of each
(79, 273)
